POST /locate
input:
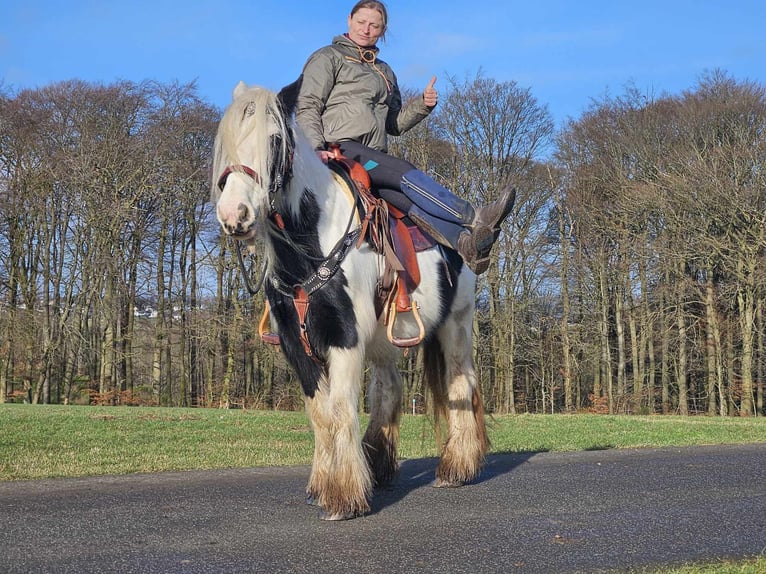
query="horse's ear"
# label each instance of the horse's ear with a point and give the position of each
(239, 89)
(288, 96)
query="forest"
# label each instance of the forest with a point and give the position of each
(630, 278)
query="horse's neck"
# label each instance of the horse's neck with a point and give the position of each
(311, 176)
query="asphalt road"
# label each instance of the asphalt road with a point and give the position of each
(545, 512)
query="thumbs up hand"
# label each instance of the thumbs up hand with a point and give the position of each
(430, 95)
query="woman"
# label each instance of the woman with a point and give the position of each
(350, 97)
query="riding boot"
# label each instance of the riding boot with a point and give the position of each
(435, 199)
(454, 236)
(474, 241)
(489, 217)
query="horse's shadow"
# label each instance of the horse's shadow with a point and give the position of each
(419, 473)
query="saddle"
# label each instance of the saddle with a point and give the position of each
(388, 231)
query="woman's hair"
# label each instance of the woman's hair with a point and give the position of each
(373, 5)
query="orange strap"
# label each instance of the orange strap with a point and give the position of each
(301, 302)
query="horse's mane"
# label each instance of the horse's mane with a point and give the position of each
(253, 113)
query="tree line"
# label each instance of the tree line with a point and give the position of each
(629, 280)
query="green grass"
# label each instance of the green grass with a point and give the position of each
(592, 432)
(752, 566)
(53, 441)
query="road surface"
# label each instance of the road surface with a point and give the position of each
(528, 513)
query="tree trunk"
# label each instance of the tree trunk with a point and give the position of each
(665, 359)
(566, 349)
(606, 361)
(620, 336)
(731, 378)
(682, 366)
(746, 304)
(711, 351)
(761, 363)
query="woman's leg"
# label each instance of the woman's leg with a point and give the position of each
(451, 220)
(398, 176)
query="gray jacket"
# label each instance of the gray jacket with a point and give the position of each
(343, 97)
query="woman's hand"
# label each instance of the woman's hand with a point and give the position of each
(430, 95)
(324, 155)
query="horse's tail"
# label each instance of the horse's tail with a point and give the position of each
(436, 382)
(434, 379)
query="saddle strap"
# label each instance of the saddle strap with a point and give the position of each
(405, 249)
(301, 302)
(383, 225)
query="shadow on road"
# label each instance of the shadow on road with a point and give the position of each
(420, 473)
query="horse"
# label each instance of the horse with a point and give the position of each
(321, 280)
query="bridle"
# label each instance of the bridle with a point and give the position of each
(239, 168)
(279, 177)
(327, 267)
(246, 276)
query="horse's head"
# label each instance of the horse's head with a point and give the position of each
(252, 160)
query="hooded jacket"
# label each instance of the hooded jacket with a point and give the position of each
(349, 94)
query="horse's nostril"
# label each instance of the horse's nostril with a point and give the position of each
(244, 213)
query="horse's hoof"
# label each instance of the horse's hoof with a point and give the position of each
(442, 483)
(325, 515)
(311, 501)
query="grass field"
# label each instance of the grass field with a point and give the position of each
(57, 441)
(39, 441)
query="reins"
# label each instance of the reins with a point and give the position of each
(253, 290)
(327, 267)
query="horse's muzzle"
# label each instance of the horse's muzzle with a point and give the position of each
(238, 222)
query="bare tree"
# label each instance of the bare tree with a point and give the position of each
(498, 131)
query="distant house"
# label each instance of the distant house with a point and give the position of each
(147, 312)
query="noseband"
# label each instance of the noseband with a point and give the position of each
(239, 169)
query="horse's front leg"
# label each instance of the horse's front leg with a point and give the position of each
(340, 481)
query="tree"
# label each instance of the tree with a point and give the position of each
(497, 131)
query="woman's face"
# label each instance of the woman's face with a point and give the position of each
(365, 27)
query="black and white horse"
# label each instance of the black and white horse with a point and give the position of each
(321, 287)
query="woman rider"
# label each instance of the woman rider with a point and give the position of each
(350, 97)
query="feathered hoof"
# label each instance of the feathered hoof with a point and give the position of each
(332, 517)
(443, 483)
(311, 501)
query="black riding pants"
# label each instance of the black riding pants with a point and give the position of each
(386, 172)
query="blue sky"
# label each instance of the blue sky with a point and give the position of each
(567, 53)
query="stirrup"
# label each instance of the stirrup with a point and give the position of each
(263, 326)
(405, 342)
(399, 302)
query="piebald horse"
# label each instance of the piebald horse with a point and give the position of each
(321, 282)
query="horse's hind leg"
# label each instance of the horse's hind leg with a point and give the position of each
(448, 361)
(382, 436)
(340, 481)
